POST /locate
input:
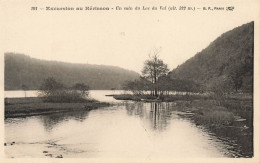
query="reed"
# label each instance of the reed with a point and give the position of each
(214, 117)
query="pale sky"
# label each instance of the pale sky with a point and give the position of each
(119, 38)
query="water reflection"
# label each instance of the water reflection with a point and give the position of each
(157, 114)
(131, 129)
(52, 120)
(160, 115)
(142, 130)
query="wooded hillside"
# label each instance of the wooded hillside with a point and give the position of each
(228, 59)
(23, 70)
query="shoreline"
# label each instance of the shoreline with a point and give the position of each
(165, 98)
(232, 120)
(32, 106)
(229, 121)
(206, 110)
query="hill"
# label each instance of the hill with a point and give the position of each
(227, 59)
(21, 69)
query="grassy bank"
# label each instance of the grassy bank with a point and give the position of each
(18, 107)
(231, 123)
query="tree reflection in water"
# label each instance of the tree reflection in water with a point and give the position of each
(51, 120)
(157, 114)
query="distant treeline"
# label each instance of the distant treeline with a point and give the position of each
(226, 62)
(21, 70)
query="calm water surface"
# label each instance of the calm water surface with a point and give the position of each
(95, 94)
(126, 130)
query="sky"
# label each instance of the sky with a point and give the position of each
(118, 38)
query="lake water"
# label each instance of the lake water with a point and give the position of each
(95, 94)
(126, 130)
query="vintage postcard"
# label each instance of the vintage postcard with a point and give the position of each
(130, 81)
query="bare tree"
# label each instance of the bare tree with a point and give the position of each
(154, 68)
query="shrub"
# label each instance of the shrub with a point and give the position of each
(83, 88)
(64, 96)
(53, 91)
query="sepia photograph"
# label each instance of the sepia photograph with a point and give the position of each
(139, 81)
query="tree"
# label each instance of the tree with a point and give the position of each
(165, 84)
(236, 74)
(50, 85)
(220, 87)
(154, 68)
(83, 88)
(138, 86)
(54, 91)
(24, 87)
